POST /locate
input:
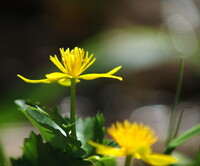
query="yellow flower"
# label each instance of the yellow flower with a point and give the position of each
(135, 140)
(73, 64)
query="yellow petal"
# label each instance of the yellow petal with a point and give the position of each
(86, 65)
(67, 82)
(107, 150)
(96, 75)
(113, 71)
(53, 77)
(159, 159)
(57, 63)
(34, 81)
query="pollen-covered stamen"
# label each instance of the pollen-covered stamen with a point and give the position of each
(64, 58)
(71, 64)
(68, 62)
(79, 61)
(76, 61)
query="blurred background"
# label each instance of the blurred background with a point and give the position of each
(145, 37)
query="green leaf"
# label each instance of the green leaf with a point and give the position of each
(91, 128)
(53, 133)
(41, 120)
(194, 131)
(106, 161)
(108, 142)
(102, 161)
(38, 153)
(183, 160)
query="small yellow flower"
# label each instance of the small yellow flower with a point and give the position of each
(73, 64)
(135, 140)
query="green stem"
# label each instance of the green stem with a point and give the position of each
(179, 123)
(176, 100)
(128, 160)
(197, 159)
(72, 107)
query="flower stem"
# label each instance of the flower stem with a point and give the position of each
(128, 160)
(179, 123)
(72, 107)
(176, 100)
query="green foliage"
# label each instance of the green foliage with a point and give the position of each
(183, 159)
(102, 161)
(54, 129)
(90, 129)
(55, 144)
(194, 131)
(38, 153)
